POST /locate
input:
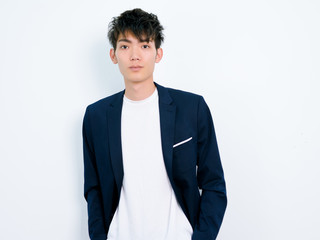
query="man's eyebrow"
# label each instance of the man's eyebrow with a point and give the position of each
(124, 40)
(128, 41)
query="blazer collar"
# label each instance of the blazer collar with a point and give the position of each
(167, 111)
(164, 96)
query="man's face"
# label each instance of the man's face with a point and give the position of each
(136, 59)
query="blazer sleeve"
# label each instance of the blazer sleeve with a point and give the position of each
(210, 177)
(92, 192)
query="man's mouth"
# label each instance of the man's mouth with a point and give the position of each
(135, 67)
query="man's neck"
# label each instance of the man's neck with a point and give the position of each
(137, 91)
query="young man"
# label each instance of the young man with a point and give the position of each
(148, 149)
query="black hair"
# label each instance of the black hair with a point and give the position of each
(140, 23)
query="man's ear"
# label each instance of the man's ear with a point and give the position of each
(159, 55)
(113, 56)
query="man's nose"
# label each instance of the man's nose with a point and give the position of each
(135, 54)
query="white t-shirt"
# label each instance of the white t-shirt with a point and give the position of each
(148, 208)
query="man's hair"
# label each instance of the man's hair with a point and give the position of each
(145, 26)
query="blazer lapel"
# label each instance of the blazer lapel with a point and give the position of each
(167, 111)
(114, 135)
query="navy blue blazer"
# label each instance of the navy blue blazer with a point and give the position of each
(192, 165)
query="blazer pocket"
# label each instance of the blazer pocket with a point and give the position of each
(184, 155)
(181, 144)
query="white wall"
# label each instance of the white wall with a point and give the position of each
(255, 62)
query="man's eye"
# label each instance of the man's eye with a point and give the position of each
(123, 46)
(146, 46)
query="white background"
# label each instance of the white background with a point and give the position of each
(255, 62)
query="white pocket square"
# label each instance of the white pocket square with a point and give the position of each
(184, 141)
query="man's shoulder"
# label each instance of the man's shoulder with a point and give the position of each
(103, 103)
(179, 96)
(183, 95)
(180, 92)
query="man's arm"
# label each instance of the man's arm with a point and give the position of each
(92, 192)
(210, 178)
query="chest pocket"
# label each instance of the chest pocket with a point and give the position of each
(184, 154)
(182, 144)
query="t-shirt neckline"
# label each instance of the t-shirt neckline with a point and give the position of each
(151, 97)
